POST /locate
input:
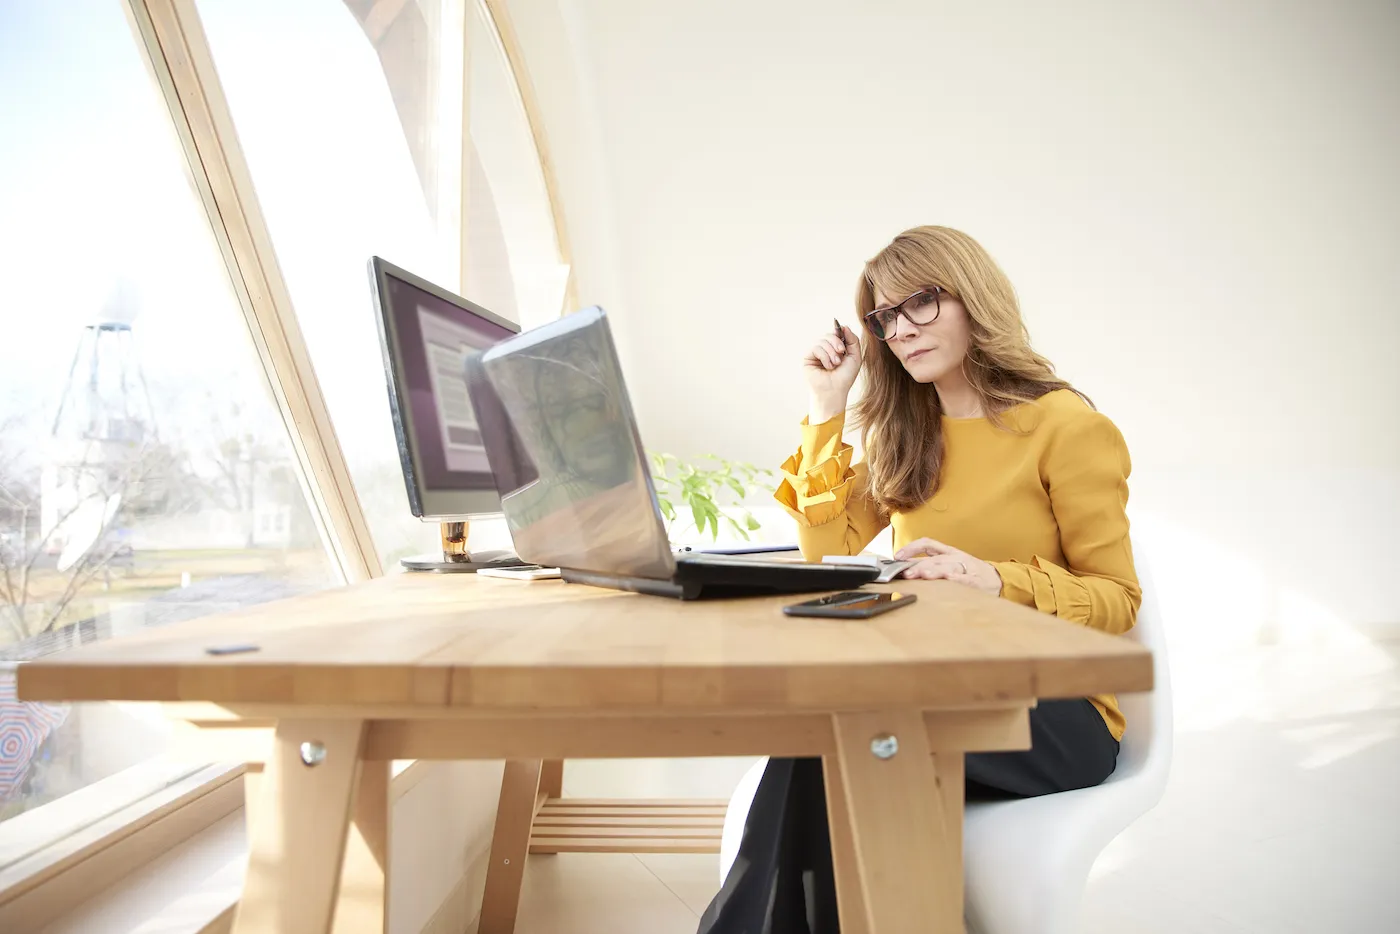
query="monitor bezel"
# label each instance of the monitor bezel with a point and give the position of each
(425, 503)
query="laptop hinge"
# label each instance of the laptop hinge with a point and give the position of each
(634, 584)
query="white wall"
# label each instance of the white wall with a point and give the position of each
(439, 838)
(1196, 201)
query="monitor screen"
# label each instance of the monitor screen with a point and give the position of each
(427, 333)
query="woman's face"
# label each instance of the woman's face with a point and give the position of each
(929, 352)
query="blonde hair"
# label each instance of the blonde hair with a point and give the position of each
(900, 419)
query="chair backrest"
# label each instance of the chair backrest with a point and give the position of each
(1147, 744)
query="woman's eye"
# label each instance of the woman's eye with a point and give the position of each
(924, 298)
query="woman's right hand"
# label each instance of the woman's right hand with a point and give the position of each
(831, 369)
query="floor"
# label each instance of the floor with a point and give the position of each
(1281, 815)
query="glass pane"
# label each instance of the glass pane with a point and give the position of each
(360, 155)
(145, 475)
(337, 182)
(419, 50)
(513, 256)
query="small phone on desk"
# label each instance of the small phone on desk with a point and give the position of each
(528, 572)
(850, 604)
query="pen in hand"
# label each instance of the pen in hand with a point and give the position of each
(840, 335)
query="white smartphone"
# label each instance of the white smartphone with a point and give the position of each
(530, 572)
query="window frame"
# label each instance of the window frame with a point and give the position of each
(107, 840)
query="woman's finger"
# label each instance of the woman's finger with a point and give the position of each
(823, 357)
(838, 349)
(928, 572)
(923, 546)
(914, 549)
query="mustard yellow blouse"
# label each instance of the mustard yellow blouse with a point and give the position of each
(1044, 503)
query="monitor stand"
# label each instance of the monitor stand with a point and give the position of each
(456, 559)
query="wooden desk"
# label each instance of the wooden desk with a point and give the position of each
(459, 667)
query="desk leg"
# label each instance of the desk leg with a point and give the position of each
(552, 778)
(905, 825)
(850, 902)
(298, 842)
(510, 844)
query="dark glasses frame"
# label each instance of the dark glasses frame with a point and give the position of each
(909, 308)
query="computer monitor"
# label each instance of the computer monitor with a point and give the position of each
(426, 334)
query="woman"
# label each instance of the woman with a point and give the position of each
(994, 474)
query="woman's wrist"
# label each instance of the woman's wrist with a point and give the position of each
(824, 408)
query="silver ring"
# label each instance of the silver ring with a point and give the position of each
(963, 567)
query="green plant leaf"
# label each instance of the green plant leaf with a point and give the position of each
(697, 486)
(698, 513)
(700, 509)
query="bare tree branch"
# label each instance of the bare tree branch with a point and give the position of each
(79, 577)
(18, 562)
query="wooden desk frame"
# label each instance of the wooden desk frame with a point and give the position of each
(322, 865)
(431, 667)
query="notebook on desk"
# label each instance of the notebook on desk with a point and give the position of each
(887, 568)
(575, 487)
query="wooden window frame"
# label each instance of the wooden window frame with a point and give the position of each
(112, 838)
(38, 888)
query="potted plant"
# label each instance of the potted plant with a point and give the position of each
(699, 496)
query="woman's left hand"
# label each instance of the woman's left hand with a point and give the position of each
(937, 561)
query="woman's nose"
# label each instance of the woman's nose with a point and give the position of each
(904, 328)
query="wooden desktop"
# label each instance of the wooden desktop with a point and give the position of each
(425, 666)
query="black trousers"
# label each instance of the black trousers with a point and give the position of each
(782, 880)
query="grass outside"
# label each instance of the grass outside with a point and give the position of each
(148, 573)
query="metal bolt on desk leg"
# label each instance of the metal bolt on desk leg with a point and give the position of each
(313, 753)
(884, 746)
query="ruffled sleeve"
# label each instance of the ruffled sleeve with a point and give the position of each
(828, 496)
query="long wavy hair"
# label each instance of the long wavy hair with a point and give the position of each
(899, 418)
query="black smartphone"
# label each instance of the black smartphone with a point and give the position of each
(850, 604)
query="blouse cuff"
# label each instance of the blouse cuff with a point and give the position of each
(1071, 593)
(817, 480)
(1045, 586)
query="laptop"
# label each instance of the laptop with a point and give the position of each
(575, 487)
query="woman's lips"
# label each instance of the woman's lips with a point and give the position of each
(916, 354)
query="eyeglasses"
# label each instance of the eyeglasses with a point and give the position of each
(920, 308)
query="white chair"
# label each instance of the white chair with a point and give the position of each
(1026, 862)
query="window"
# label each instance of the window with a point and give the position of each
(513, 253)
(337, 182)
(360, 156)
(139, 447)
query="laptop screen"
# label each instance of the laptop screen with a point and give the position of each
(574, 485)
